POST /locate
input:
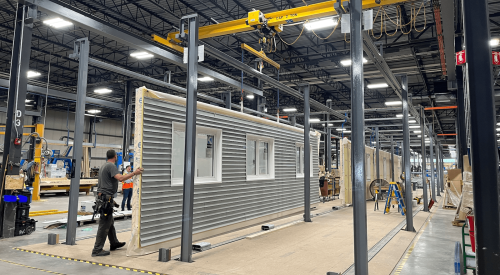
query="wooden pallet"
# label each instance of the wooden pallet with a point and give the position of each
(458, 223)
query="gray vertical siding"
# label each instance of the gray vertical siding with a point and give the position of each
(215, 204)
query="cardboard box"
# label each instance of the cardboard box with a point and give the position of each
(454, 174)
(14, 182)
(456, 187)
(467, 167)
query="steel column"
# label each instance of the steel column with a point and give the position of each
(227, 100)
(127, 119)
(21, 50)
(82, 51)
(438, 181)
(190, 138)
(460, 114)
(406, 155)
(328, 153)
(358, 142)
(377, 158)
(307, 154)
(393, 177)
(441, 157)
(337, 152)
(431, 159)
(484, 147)
(424, 164)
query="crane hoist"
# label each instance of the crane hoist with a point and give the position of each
(270, 24)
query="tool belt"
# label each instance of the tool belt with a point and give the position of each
(103, 205)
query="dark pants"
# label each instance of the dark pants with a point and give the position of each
(106, 229)
(127, 196)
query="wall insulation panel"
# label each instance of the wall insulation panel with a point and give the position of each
(370, 169)
(229, 200)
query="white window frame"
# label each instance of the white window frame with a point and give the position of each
(217, 162)
(301, 175)
(270, 142)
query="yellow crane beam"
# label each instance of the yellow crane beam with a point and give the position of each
(274, 20)
(261, 55)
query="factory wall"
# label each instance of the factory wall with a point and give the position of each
(109, 131)
(236, 198)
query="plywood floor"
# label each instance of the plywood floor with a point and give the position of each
(324, 245)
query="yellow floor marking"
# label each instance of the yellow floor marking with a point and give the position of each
(31, 267)
(77, 260)
(410, 250)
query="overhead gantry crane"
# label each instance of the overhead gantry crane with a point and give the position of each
(268, 25)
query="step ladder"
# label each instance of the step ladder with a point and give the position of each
(395, 193)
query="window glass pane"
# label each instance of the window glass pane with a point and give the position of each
(263, 158)
(302, 160)
(251, 157)
(204, 155)
(297, 159)
(178, 155)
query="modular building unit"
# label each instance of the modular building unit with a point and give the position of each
(248, 170)
(370, 169)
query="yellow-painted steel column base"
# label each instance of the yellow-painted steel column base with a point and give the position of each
(38, 162)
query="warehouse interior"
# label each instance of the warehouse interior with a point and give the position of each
(275, 137)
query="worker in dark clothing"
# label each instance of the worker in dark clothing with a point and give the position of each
(107, 186)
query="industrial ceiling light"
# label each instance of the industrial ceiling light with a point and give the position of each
(57, 23)
(205, 79)
(289, 109)
(93, 111)
(329, 124)
(348, 62)
(417, 132)
(346, 131)
(314, 120)
(393, 103)
(412, 121)
(377, 86)
(102, 91)
(33, 74)
(141, 55)
(498, 129)
(321, 23)
(494, 42)
(414, 126)
(28, 100)
(250, 96)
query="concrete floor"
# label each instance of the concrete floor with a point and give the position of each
(433, 253)
(10, 257)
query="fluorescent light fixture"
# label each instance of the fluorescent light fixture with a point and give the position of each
(250, 96)
(498, 123)
(28, 105)
(417, 132)
(141, 55)
(314, 120)
(57, 23)
(443, 100)
(498, 129)
(376, 86)
(494, 42)
(102, 91)
(205, 79)
(93, 111)
(393, 103)
(33, 74)
(412, 121)
(289, 109)
(414, 126)
(399, 115)
(329, 124)
(346, 131)
(348, 62)
(28, 100)
(321, 24)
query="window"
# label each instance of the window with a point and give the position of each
(260, 158)
(208, 154)
(299, 160)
